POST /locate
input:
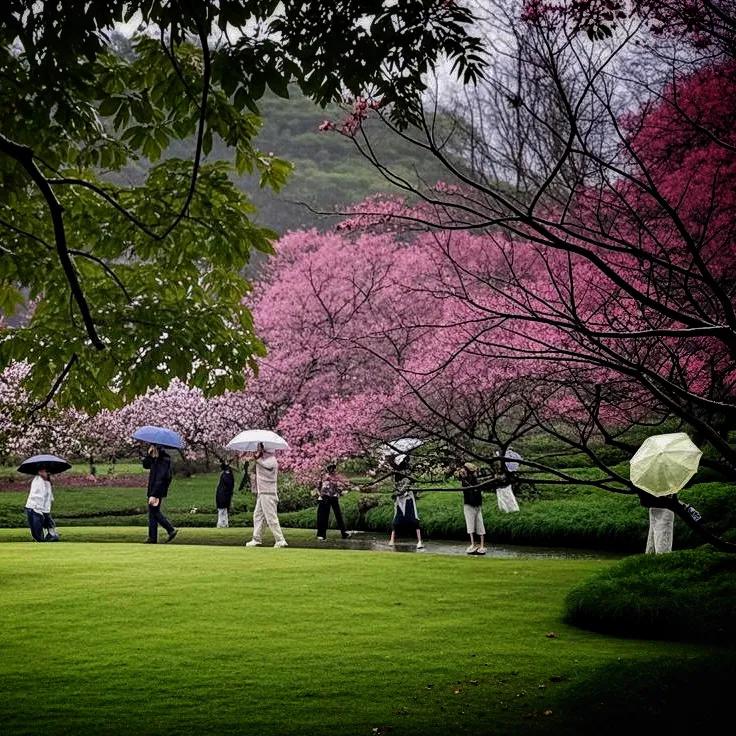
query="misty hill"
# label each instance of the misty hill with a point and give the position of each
(329, 172)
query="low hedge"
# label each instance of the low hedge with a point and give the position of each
(684, 596)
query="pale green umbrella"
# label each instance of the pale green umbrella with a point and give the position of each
(664, 463)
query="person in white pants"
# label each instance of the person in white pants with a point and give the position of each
(661, 528)
(267, 499)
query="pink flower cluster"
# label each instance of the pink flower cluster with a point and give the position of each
(351, 123)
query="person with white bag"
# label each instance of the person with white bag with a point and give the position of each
(505, 495)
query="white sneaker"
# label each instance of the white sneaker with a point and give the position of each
(472, 549)
(390, 542)
(252, 543)
(321, 539)
(420, 545)
(281, 544)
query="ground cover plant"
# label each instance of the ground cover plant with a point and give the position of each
(299, 642)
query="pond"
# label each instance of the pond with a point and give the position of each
(368, 541)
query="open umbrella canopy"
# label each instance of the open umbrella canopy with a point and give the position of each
(400, 446)
(53, 464)
(664, 463)
(248, 441)
(159, 436)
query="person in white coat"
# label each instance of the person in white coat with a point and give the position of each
(38, 507)
(266, 490)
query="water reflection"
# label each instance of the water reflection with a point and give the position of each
(367, 541)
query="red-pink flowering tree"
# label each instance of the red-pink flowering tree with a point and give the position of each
(601, 167)
(606, 178)
(321, 294)
(469, 340)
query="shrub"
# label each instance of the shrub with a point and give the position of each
(293, 496)
(687, 596)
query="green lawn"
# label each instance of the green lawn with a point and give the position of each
(129, 639)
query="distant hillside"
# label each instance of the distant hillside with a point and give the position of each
(328, 171)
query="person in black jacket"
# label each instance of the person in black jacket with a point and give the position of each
(224, 494)
(330, 487)
(158, 463)
(471, 483)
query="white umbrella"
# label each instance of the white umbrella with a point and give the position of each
(664, 463)
(249, 440)
(402, 445)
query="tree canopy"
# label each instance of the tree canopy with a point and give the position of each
(130, 286)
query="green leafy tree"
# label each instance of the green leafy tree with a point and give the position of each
(126, 287)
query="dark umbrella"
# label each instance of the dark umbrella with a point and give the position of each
(159, 436)
(53, 464)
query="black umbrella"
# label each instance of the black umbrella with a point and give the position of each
(53, 464)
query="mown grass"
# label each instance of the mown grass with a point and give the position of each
(121, 639)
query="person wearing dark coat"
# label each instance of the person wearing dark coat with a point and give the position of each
(405, 503)
(224, 495)
(469, 476)
(329, 489)
(158, 463)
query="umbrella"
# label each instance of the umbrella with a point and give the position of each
(664, 463)
(159, 436)
(400, 446)
(248, 441)
(52, 463)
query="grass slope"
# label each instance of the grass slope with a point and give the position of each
(119, 639)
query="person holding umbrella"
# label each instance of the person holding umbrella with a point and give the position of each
(41, 495)
(405, 505)
(158, 462)
(660, 468)
(259, 445)
(38, 505)
(266, 476)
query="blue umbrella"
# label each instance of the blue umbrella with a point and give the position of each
(53, 464)
(159, 436)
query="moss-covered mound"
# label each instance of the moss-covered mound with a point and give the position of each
(685, 596)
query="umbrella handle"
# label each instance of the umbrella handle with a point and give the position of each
(692, 517)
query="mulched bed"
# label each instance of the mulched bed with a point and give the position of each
(9, 485)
